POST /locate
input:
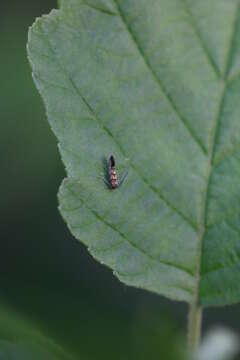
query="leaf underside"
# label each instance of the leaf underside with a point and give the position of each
(157, 84)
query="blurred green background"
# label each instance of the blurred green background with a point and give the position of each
(54, 296)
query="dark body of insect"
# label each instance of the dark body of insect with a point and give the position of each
(112, 173)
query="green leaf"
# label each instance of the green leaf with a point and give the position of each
(155, 83)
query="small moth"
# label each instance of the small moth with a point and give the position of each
(112, 173)
(112, 180)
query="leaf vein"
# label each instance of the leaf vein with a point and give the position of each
(122, 235)
(110, 134)
(200, 38)
(158, 81)
(226, 155)
(210, 167)
(96, 8)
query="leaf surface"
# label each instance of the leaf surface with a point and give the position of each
(156, 83)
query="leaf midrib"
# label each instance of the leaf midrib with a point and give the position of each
(212, 147)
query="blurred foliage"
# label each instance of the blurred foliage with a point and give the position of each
(27, 147)
(54, 297)
(21, 340)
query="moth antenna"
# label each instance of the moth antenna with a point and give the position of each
(112, 161)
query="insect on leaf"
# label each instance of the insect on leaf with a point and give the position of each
(156, 82)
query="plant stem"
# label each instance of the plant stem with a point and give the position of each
(194, 326)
